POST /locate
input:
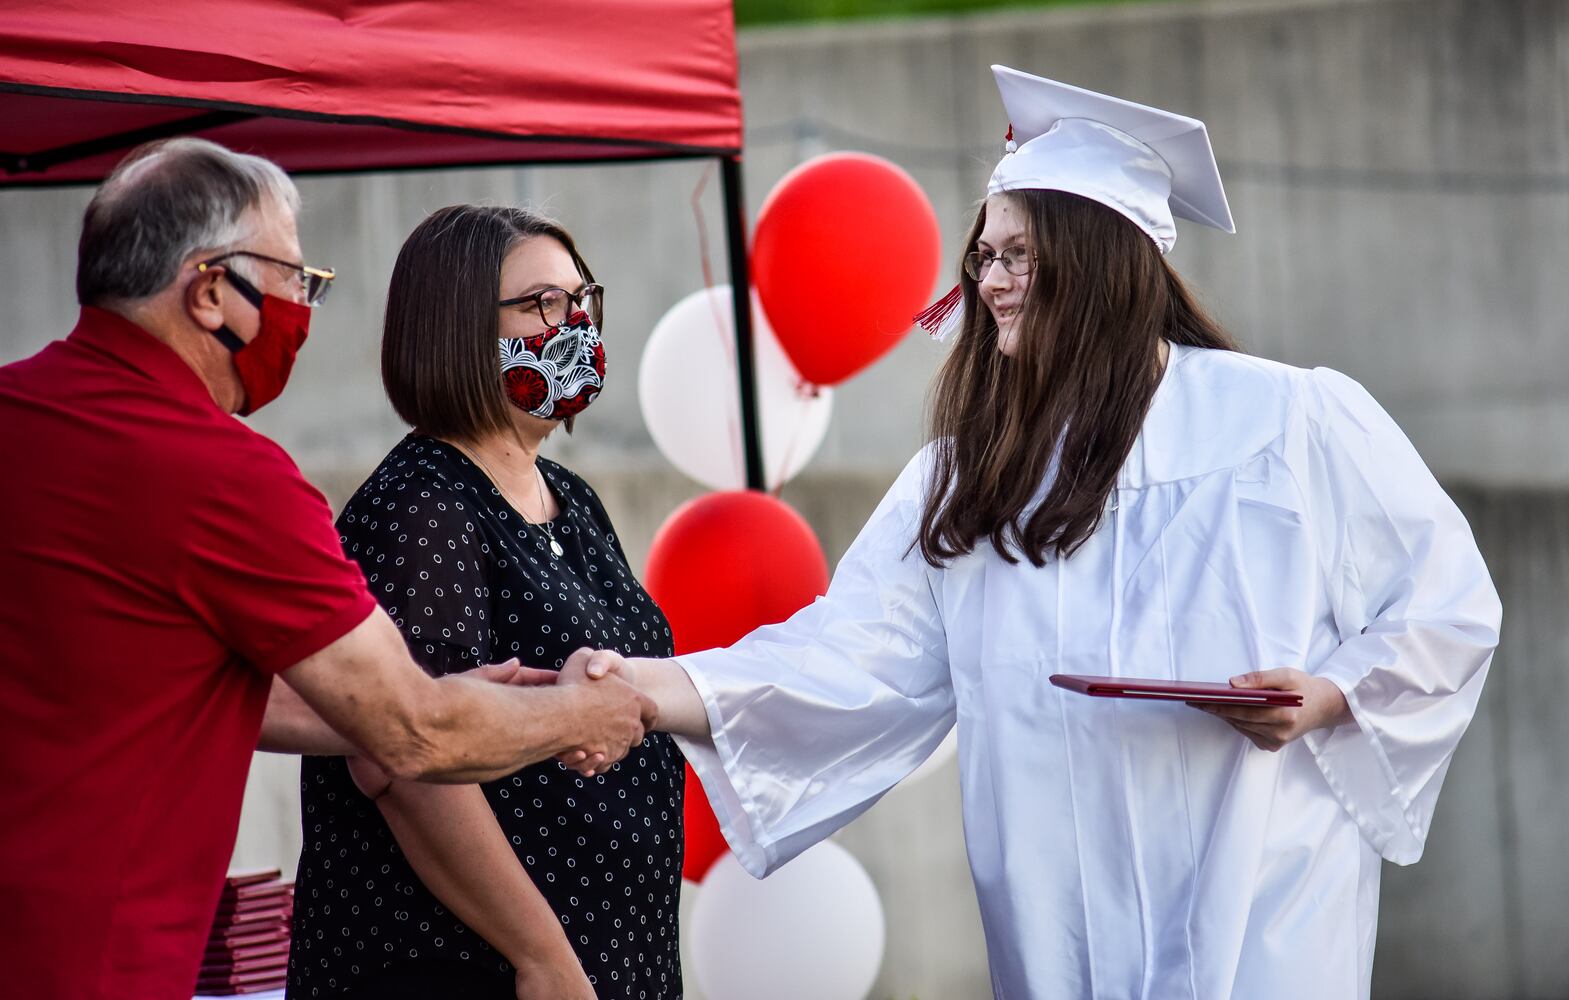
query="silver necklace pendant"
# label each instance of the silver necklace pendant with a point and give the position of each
(539, 482)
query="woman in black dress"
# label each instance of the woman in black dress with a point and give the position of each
(550, 882)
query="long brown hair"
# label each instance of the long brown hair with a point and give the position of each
(1085, 367)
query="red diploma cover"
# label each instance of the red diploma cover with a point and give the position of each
(1197, 692)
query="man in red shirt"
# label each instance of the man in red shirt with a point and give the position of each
(162, 566)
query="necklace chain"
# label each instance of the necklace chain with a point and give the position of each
(550, 534)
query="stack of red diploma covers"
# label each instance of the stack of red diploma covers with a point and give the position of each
(248, 951)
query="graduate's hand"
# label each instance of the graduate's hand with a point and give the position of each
(679, 708)
(599, 663)
(1271, 727)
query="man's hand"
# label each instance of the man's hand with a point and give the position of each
(596, 664)
(610, 736)
(1271, 727)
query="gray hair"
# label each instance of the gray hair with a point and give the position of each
(165, 202)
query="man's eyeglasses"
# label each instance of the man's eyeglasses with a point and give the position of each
(556, 305)
(316, 281)
(1017, 261)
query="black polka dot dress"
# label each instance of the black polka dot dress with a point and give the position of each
(468, 582)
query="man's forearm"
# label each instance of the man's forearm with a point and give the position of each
(457, 729)
(460, 728)
(472, 731)
(292, 726)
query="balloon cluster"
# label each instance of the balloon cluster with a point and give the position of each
(846, 250)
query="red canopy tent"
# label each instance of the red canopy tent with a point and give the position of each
(326, 86)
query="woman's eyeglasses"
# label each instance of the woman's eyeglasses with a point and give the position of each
(557, 305)
(1017, 261)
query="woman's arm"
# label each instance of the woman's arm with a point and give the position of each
(457, 849)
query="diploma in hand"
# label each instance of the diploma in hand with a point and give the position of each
(1193, 692)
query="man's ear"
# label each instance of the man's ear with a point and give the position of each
(204, 298)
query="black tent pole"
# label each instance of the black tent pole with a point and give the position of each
(741, 292)
(19, 163)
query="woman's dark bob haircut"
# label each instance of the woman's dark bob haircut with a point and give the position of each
(439, 361)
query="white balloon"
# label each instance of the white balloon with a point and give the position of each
(812, 929)
(691, 401)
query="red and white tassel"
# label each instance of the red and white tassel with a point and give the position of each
(1008, 145)
(943, 316)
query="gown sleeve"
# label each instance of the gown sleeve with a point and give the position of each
(1416, 611)
(815, 718)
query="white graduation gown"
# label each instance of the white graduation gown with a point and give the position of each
(1268, 516)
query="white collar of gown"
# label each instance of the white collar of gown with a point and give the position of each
(1177, 441)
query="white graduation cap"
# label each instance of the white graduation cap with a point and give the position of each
(1145, 163)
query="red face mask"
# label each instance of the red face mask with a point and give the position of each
(264, 364)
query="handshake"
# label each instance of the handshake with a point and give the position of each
(618, 714)
(587, 715)
(589, 719)
(599, 688)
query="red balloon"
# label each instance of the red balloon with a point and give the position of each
(846, 253)
(719, 567)
(725, 563)
(705, 844)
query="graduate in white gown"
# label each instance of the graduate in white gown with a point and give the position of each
(1111, 490)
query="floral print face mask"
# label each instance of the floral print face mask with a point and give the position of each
(556, 374)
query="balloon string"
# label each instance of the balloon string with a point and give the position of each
(706, 262)
(704, 258)
(804, 391)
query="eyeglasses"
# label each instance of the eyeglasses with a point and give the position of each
(1017, 261)
(557, 305)
(316, 281)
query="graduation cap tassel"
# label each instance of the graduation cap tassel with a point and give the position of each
(941, 317)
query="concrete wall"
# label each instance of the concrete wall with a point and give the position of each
(1486, 911)
(1399, 171)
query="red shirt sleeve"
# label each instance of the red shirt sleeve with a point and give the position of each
(263, 565)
